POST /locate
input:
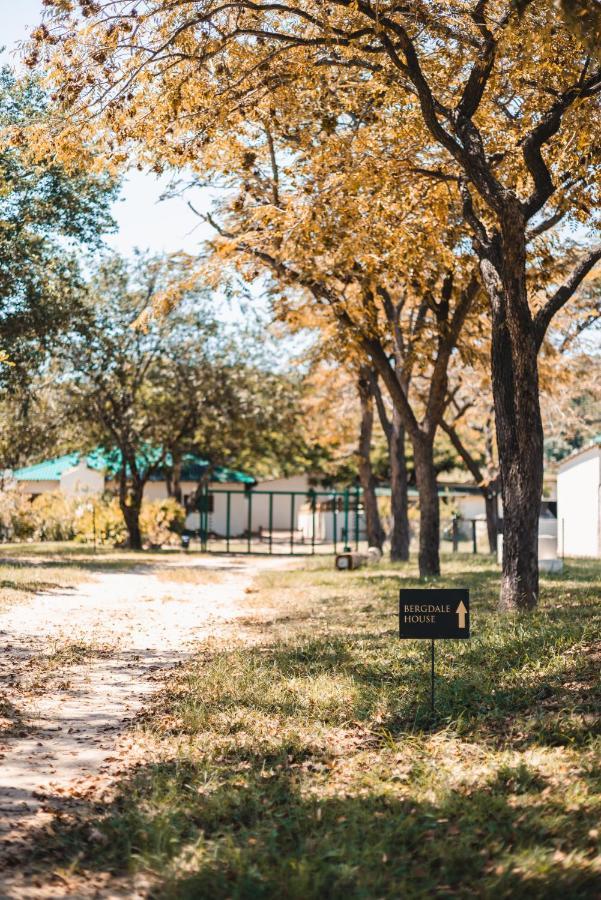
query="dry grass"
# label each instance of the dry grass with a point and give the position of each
(188, 575)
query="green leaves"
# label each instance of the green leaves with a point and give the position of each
(47, 214)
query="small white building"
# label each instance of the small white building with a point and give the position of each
(236, 503)
(271, 505)
(78, 474)
(579, 503)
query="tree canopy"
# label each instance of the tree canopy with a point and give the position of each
(151, 388)
(47, 212)
(469, 131)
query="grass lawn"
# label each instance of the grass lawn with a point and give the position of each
(308, 765)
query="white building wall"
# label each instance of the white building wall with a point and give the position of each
(471, 506)
(241, 502)
(293, 483)
(155, 490)
(37, 487)
(325, 522)
(578, 500)
(81, 480)
(283, 513)
(238, 509)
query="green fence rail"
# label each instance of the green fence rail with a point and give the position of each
(218, 531)
(267, 522)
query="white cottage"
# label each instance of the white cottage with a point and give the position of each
(579, 502)
(79, 474)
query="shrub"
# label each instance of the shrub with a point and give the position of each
(54, 517)
(162, 522)
(101, 518)
(16, 516)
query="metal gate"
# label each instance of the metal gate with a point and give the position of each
(280, 522)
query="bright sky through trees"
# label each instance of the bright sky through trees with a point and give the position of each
(143, 222)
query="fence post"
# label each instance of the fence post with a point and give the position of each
(228, 519)
(346, 548)
(270, 523)
(313, 505)
(250, 520)
(455, 535)
(335, 518)
(292, 524)
(474, 537)
(357, 517)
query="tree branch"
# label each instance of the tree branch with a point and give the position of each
(545, 225)
(543, 318)
(482, 68)
(383, 416)
(471, 464)
(547, 127)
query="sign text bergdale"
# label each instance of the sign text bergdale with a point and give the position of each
(434, 613)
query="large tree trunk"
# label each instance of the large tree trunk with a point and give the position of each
(375, 532)
(517, 414)
(399, 501)
(429, 514)
(399, 537)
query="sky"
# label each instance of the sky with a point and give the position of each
(143, 220)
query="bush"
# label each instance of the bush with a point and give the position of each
(54, 517)
(100, 518)
(162, 522)
(16, 516)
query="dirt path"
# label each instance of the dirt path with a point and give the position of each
(79, 665)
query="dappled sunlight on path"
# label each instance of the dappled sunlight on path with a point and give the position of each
(76, 667)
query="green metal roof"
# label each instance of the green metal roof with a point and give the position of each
(53, 469)
(223, 475)
(193, 467)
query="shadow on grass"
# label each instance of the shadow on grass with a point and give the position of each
(546, 674)
(257, 834)
(144, 565)
(286, 782)
(34, 587)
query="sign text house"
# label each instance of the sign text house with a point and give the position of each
(435, 614)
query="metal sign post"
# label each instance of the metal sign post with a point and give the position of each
(432, 679)
(434, 614)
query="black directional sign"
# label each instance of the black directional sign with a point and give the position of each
(434, 613)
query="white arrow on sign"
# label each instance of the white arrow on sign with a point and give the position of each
(461, 611)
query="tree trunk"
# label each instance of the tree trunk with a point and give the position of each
(131, 514)
(375, 532)
(399, 537)
(399, 500)
(176, 479)
(492, 518)
(130, 503)
(429, 514)
(517, 413)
